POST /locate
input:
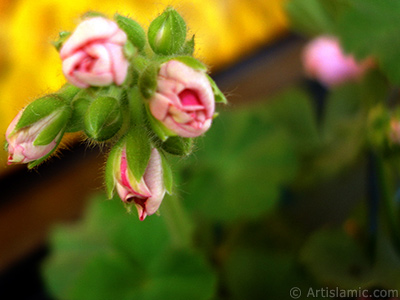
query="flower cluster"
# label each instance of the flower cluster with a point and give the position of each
(144, 95)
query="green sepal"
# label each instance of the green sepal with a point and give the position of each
(167, 173)
(103, 119)
(177, 145)
(148, 81)
(111, 164)
(129, 50)
(37, 162)
(188, 47)
(218, 95)
(158, 128)
(79, 109)
(191, 62)
(63, 36)
(55, 128)
(68, 92)
(135, 33)
(167, 33)
(39, 109)
(138, 151)
(93, 14)
(5, 146)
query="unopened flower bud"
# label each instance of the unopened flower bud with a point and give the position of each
(324, 60)
(184, 101)
(167, 33)
(93, 54)
(145, 193)
(103, 118)
(37, 130)
(178, 146)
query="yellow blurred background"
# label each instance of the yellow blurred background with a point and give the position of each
(225, 30)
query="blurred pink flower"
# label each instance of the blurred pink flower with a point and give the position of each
(93, 54)
(147, 193)
(21, 146)
(324, 60)
(184, 101)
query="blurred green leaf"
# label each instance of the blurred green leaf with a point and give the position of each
(313, 17)
(246, 162)
(335, 259)
(254, 274)
(294, 111)
(370, 28)
(111, 255)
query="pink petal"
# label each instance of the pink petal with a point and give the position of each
(94, 79)
(120, 64)
(154, 180)
(100, 57)
(89, 30)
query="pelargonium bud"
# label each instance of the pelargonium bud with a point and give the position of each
(146, 193)
(184, 101)
(324, 60)
(103, 118)
(167, 33)
(93, 54)
(37, 130)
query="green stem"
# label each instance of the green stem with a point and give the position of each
(178, 222)
(388, 204)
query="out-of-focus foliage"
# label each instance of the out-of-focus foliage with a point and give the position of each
(111, 255)
(30, 66)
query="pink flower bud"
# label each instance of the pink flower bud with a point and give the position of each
(324, 60)
(21, 146)
(148, 192)
(184, 101)
(93, 54)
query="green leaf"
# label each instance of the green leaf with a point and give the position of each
(309, 17)
(293, 109)
(367, 30)
(181, 274)
(246, 161)
(133, 30)
(167, 33)
(257, 273)
(110, 255)
(335, 259)
(167, 174)
(219, 96)
(138, 151)
(103, 118)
